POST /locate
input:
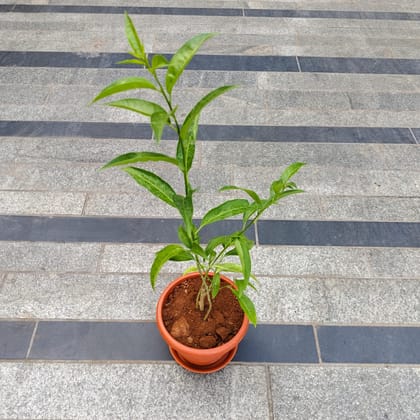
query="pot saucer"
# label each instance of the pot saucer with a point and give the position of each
(214, 367)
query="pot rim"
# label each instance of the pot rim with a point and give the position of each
(172, 342)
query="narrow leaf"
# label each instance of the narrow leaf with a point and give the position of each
(133, 39)
(286, 193)
(185, 208)
(156, 185)
(132, 61)
(161, 257)
(290, 171)
(191, 269)
(134, 157)
(225, 210)
(182, 57)
(198, 107)
(251, 193)
(158, 121)
(229, 267)
(243, 253)
(249, 308)
(183, 256)
(183, 237)
(137, 105)
(159, 61)
(217, 241)
(215, 285)
(125, 84)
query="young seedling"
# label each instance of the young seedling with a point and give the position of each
(215, 257)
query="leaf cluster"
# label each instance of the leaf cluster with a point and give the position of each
(228, 253)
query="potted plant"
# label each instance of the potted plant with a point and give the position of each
(202, 300)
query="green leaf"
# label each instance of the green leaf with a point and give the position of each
(189, 144)
(134, 157)
(182, 57)
(156, 185)
(137, 105)
(286, 193)
(125, 84)
(183, 237)
(249, 308)
(185, 208)
(215, 285)
(183, 256)
(198, 107)
(191, 269)
(158, 121)
(132, 61)
(217, 241)
(161, 257)
(251, 193)
(241, 246)
(290, 171)
(225, 210)
(198, 250)
(133, 39)
(229, 267)
(159, 61)
(241, 284)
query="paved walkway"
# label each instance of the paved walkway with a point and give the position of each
(334, 84)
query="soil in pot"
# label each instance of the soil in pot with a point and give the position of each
(185, 322)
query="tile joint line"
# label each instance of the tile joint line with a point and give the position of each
(414, 136)
(32, 339)
(269, 393)
(318, 348)
(298, 64)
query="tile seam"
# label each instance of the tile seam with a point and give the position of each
(317, 346)
(31, 342)
(414, 137)
(268, 381)
(298, 64)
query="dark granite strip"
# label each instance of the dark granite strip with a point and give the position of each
(331, 14)
(109, 60)
(132, 10)
(206, 11)
(211, 132)
(75, 129)
(220, 62)
(359, 65)
(72, 340)
(320, 233)
(278, 344)
(369, 344)
(103, 229)
(270, 232)
(15, 337)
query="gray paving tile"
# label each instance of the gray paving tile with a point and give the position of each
(337, 300)
(43, 256)
(362, 156)
(345, 392)
(15, 338)
(57, 390)
(28, 202)
(369, 344)
(337, 262)
(79, 296)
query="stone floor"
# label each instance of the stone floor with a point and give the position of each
(333, 84)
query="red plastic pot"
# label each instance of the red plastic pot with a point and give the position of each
(192, 359)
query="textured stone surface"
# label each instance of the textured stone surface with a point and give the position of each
(28, 202)
(335, 300)
(70, 390)
(79, 296)
(44, 256)
(345, 392)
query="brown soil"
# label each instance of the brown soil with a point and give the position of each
(185, 322)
